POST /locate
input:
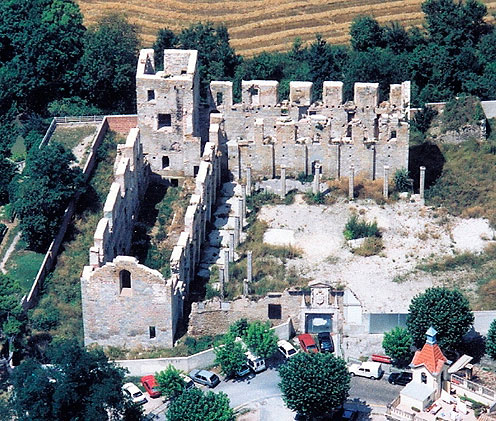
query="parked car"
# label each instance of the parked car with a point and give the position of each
(307, 343)
(131, 390)
(349, 415)
(151, 386)
(243, 371)
(402, 378)
(325, 342)
(205, 377)
(286, 349)
(189, 384)
(370, 369)
(257, 364)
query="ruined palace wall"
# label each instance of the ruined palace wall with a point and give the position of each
(117, 315)
(168, 113)
(114, 230)
(266, 134)
(125, 303)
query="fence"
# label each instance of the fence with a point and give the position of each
(464, 387)
(51, 255)
(200, 360)
(392, 412)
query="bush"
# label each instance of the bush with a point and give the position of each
(461, 111)
(401, 180)
(315, 199)
(304, 178)
(370, 247)
(423, 119)
(357, 228)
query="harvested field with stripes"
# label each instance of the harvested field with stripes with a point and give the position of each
(259, 25)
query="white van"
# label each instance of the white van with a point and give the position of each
(370, 369)
(257, 364)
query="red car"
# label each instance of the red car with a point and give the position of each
(151, 386)
(307, 343)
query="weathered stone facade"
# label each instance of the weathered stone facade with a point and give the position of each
(128, 304)
(266, 135)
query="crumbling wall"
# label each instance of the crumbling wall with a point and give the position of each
(265, 134)
(115, 229)
(168, 112)
(213, 317)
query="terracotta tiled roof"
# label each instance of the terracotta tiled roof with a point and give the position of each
(431, 357)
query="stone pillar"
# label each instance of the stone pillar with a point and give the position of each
(231, 246)
(283, 181)
(422, 182)
(243, 196)
(248, 181)
(249, 263)
(316, 179)
(351, 186)
(221, 282)
(236, 231)
(226, 265)
(385, 190)
(240, 213)
(246, 290)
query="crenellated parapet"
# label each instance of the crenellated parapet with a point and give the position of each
(265, 133)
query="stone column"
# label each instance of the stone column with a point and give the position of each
(246, 290)
(316, 179)
(283, 181)
(231, 246)
(249, 268)
(240, 213)
(221, 282)
(385, 190)
(351, 186)
(422, 182)
(236, 231)
(243, 196)
(248, 181)
(226, 265)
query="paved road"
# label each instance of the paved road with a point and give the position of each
(377, 392)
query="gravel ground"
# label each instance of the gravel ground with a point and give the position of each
(411, 234)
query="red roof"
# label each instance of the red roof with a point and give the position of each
(431, 356)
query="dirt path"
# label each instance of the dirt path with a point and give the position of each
(9, 252)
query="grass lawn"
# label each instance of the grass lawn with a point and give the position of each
(23, 266)
(18, 149)
(71, 136)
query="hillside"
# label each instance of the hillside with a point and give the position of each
(259, 25)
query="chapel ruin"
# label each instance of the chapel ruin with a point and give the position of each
(127, 304)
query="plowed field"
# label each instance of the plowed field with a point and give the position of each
(258, 25)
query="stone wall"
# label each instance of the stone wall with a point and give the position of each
(265, 134)
(168, 112)
(213, 317)
(125, 303)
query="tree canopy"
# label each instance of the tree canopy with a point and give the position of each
(78, 385)
(170, 382)
(448, 311)
(314, 384)
(491, 340)
(230, 355)
(398, 345)
(194, 405)
(43, 191)
(260, 339)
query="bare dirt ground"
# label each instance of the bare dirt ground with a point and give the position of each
(411, 234)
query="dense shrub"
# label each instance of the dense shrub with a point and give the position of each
(358, 228)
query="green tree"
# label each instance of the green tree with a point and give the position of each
(448, 311)
(239, 328)
(260, 339)
(74, 106)
(166, 39)
(108, 64)
(170, 382)
(365, 33)
(314, 384)
(217, 60)
(79, 385)
(43, 192)
(230, 356)
(194, 405)
(491, 340)
(398, 345)
(7, 172)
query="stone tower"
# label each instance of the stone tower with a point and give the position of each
(168, 112)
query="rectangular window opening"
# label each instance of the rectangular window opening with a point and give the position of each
(164, 120)
(220, 98)
(393, 134)
(275, 311)
(152, 332)
(151, 94)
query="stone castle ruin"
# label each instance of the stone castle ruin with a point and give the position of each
(127, 304)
